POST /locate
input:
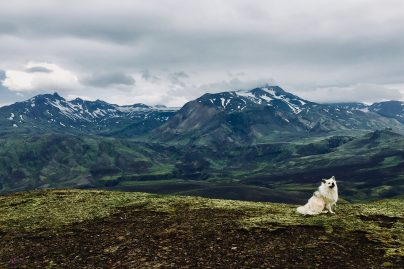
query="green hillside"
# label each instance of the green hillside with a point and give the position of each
(99, 229)
(56, 161)
(367, 167)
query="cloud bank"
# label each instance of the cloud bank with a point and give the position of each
(171, 51)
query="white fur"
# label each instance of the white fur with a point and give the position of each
(325, 198)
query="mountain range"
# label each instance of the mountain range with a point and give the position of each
(261, 114)
(51, 112)
(261, 144)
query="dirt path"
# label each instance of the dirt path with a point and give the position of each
(202, 238)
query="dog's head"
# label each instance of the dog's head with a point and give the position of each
(330, 183)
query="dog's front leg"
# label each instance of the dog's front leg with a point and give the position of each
(330, 209)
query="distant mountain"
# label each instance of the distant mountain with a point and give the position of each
(51, 112)
(260, 115)
(266, 114)
(351, 106)
(272, 96)
(391, 109)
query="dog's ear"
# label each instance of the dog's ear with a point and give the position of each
(333, 177)
(323, 181)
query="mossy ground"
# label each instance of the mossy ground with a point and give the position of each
(101, 229)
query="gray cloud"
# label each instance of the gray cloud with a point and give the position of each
(368, 93)
(108, 79)
(304, 46)
(236, 84)
(38, 69)
(178, 77)
(146, 75)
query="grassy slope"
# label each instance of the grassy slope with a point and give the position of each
(62, 161)
(93, 229)
(368, 167)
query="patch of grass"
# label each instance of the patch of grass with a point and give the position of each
(53, 209)
(391, 161)
(160, 170)
(382, 221)
(295, 187)
(378, 191)
(150, 182)
(109, 178)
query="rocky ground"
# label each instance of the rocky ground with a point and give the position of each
(100, 229)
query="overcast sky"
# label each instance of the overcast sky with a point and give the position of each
(169, 52)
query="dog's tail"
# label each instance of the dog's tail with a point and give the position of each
(302, 210)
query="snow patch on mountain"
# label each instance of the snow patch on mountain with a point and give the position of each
(81, 114)
(266, 96)
(247, 94)
(225, 102)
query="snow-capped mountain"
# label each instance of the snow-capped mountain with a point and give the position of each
(242, 100)
(266, 114)
(53, 112)
(391, 109)
(261, 114)
(350, 106)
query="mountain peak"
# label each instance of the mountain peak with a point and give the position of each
(268, 96)
(140, 105)
(391, 109)
(271, 89)
(46, 97)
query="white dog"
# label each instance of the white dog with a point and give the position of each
(325, 198)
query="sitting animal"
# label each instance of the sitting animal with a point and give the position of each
(322, 200)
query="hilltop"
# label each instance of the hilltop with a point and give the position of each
(98, 229)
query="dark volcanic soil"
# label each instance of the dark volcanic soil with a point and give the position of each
(204, 238)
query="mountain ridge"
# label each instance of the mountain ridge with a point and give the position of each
(258, 115)
(51, 112)
(266, 114)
